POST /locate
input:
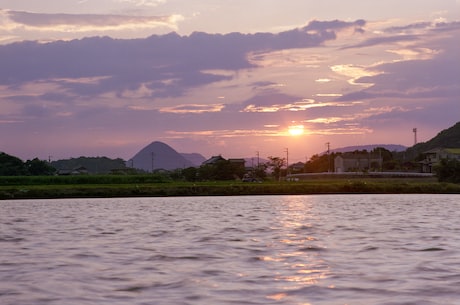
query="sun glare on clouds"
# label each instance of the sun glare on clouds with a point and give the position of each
(296, 130)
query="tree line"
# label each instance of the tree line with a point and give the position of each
(13, 166)
(274, 168)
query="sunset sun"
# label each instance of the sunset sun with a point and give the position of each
(296, 130)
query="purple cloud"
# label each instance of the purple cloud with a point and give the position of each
(410, 27)
(334, 25)
(126, 64)
(383, 40)
(46, 20)
(434, 75)
(208, 88)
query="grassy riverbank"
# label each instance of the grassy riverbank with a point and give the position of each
(148, 185)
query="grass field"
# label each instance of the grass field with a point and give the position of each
(88, 186)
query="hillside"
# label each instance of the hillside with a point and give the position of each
(195, 158)
(158, 155)
(370, 147)
(448, 138)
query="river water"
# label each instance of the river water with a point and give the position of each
(326, 249)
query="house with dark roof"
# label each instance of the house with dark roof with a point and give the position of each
(80, 170)
(216, 159)
(213, 160)
(297, 167)
(223, 169)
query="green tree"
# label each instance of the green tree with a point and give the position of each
(221, 170)
(448, 170)
(388, 162)
(275, 164)
(94, 165)
(260, 171)
(320, 164)
(37, 167)
(11, 165)
(190, 173)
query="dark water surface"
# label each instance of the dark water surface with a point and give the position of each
(327, 249)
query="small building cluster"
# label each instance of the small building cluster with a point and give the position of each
(353, 162)
(434, 156)
(215, 159)
(80, 170)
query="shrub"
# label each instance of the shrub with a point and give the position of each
(448, 170)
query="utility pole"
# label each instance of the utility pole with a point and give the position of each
(328, 144)
(415, 135)
(287, 161)
(257, 153)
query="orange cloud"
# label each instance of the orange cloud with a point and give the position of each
(193, 108)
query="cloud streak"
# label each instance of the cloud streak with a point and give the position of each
(72, 21)
(84, 23)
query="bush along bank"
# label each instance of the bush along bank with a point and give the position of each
(225, 189)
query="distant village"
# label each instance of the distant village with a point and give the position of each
(377, 162)
(159, 157)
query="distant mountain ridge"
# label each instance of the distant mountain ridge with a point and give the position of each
(390, 147)
(158, 155)
(447, 138)
(195, 158)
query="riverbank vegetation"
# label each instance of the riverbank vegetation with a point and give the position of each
(90, 186)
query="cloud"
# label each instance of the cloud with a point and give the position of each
(410, 33)
(167, 65)
(382, 40)
(420, 26)
(316, 25)
(145, 3)
(280, 102)
(430, 77)
(243, 89)
(427, 67)
(356, 73)
(408, 28)
(227, 133)
(86, 22)
(446, 26)
(193, 108)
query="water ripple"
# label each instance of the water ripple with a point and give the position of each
(363, 249)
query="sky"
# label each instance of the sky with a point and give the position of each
(235, 78)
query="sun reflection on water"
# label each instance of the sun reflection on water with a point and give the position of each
(298, 257)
